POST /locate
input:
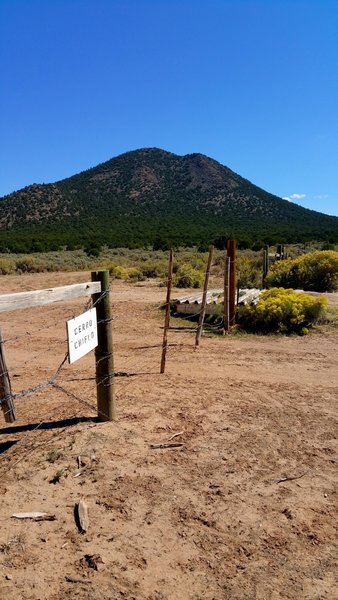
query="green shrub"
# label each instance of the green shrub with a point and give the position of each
(161, 244)
(93, 250)
(135, 274)
(198, 262)
(282, 310)
(317, 271)
(154, 268)
(187, 277)
(330, 317)
(327, 246)
(219, 261)
(27, 264)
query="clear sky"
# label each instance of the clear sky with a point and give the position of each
(250, 83)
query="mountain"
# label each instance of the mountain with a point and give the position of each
(152, 196)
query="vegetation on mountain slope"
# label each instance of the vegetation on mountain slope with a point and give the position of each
(154, 198)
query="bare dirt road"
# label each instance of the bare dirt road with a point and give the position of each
(245, 509)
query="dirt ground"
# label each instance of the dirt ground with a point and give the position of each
(211, 519)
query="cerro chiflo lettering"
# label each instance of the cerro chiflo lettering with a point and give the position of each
(83, 326)
(83, 338)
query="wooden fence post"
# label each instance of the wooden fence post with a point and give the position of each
(106, 409)
(265, 265)
(167, 312)
(226, 328)
(264, 270)
(204, 299)
(231, 252)
(7, 405)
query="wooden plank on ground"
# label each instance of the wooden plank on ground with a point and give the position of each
(82, 516)
(195, 309)
(248, 296)
(21, 300)
(197, 297)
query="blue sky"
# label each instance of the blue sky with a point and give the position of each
(251, 83)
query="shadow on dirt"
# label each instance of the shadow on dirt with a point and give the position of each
(47, 425)
(4, 446)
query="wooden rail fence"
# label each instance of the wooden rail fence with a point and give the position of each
(98, 289)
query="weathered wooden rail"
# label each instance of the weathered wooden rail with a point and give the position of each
(22, 300)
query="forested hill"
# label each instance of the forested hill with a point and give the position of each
(148, 196)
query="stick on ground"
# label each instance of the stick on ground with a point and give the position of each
(166, 445)
(282, 479)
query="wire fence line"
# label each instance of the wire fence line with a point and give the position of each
(24, 441)
(51, 380)
(42, 352)
(56, 382)
(28, 442)
(26, 433)
(31, 332)
(62, 386)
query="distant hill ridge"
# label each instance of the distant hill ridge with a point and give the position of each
(152, 196)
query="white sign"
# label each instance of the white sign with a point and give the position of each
(82, 334)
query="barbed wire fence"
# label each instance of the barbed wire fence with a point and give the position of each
(54, 387)
(59, 410)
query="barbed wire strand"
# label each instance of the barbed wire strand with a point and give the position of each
(89, 303)
(52, 382)
(30, 448)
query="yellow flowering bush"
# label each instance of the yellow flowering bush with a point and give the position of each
(282, 310)
(6, 266)
(317, 271)
(249, 271)
(188, 277)
(126, 273)
(118, 272)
